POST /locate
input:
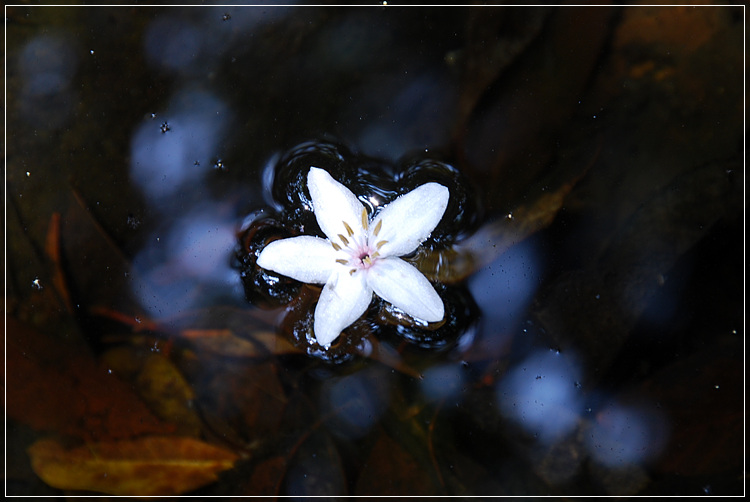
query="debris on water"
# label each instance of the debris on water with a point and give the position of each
(133, 221)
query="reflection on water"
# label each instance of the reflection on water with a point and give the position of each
(503, 290)
(47, 65)
(187, 264)
(169, 161)
(447, 381)
(627, 434)
(419, 104)
(355, 402)
(542, 393)
(595, 337)
(191, 43)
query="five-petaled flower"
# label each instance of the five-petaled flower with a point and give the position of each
(361, 255)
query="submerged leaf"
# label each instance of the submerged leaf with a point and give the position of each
(492, 240)
(707, 435)
(160, 384)
(225, 342)
(144, 466)
(55, 386)
(391, 470)
(495, 39)
(267, 477)
(239, 401)
(613, 290)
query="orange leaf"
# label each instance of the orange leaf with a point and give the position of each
(52, 247)
(144, 466)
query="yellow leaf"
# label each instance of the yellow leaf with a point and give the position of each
(143, 466)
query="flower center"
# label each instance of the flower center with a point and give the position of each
(365, 258)
(362, 255)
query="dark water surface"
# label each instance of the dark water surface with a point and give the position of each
(593, 273)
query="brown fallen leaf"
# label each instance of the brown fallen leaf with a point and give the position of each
(494, 40)
(618, 285)
(504, 152)
(159, 383)
(225, 342)
(391, 470)
(239, 401)
(454, 264)
(703, 395)
(54, 385)
(145, 466)
(267, 477)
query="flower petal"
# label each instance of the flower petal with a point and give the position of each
(304, 258)
(408, 220)
(333, 204)
(404, 286)
(344, 298)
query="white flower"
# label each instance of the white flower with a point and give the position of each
(361, 256)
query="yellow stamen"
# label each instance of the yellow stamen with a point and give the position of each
(342, 261)
(351, 272)
(377, 228)
(336, 246)
(348, 228)
(381, 244)
(364, 218)
(344, 240)
(367, 260)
